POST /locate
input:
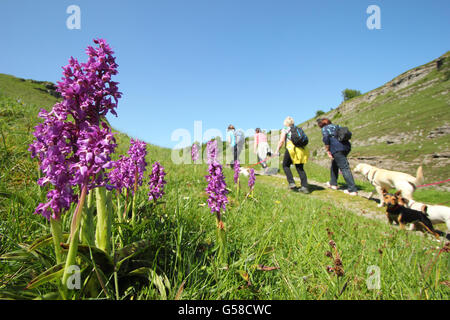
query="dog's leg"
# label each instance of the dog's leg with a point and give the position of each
(389, 218)
(400, 222)
(380, 194)
(447, 223)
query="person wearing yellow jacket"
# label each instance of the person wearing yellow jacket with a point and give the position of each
(293, 155)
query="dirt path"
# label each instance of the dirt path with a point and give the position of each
(359, 204)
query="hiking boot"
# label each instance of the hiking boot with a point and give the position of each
(304, 190)
(292, 186)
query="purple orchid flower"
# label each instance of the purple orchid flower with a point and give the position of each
(157, 182)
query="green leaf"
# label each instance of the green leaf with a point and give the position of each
(14, 295)
(44, 241)
(161, 283)
(130, 251)
(101, 258)
(51, 274)
(49, 296)
(19, 255)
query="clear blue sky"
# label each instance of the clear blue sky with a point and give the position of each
(248, 62)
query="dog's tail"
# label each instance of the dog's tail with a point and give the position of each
(419, 176)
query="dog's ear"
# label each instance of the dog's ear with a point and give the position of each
(424, 208)
(384, 191)
(398, 193)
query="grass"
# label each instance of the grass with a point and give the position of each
(277, 240)
(277, 229)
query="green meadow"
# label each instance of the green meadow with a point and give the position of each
(277, 242)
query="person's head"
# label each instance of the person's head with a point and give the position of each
(288, 122)
(257, 130)
(230, 127)
(322, 122)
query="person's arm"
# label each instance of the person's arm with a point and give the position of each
(280, 144)
(326, 141)
(327, 148)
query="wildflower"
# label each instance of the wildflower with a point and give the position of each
(137, 153)
(62, 144)
(120, 176)
(94, 146)
(157, 182)
(194, 152)
(128, 171)
(216, 188)
(211, 149)
(237, 169)
(251, 179)
(332, 244)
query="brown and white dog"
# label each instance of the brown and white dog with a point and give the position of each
(387, 179)
(397, 212)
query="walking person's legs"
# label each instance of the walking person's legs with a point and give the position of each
(334, 173)
(235, 156)
(342, 163)
(262, 163)
(287, 161)
(303, 178)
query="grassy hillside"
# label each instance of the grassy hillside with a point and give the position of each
(399, 126)
(278, 241)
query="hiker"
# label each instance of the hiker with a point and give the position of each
(294, 154)
(236, 140)
(337, 151)
(261, 148)
(231, 139)
(240, 142)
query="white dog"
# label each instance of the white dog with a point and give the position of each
(244, 171)
(381, 178)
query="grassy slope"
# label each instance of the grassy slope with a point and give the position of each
(285, 230)
(413, 111)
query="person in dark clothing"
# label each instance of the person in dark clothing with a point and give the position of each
(337, 151)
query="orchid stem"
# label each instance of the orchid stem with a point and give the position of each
(87, 222)
(55, 225)
(221, 239)
(133, 208)
(74, 232)
(103, 231)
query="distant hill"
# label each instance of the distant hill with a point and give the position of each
(400, 125)
(20, 102)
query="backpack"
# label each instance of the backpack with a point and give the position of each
(299, 137)
(343, 134)
(240, 138)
